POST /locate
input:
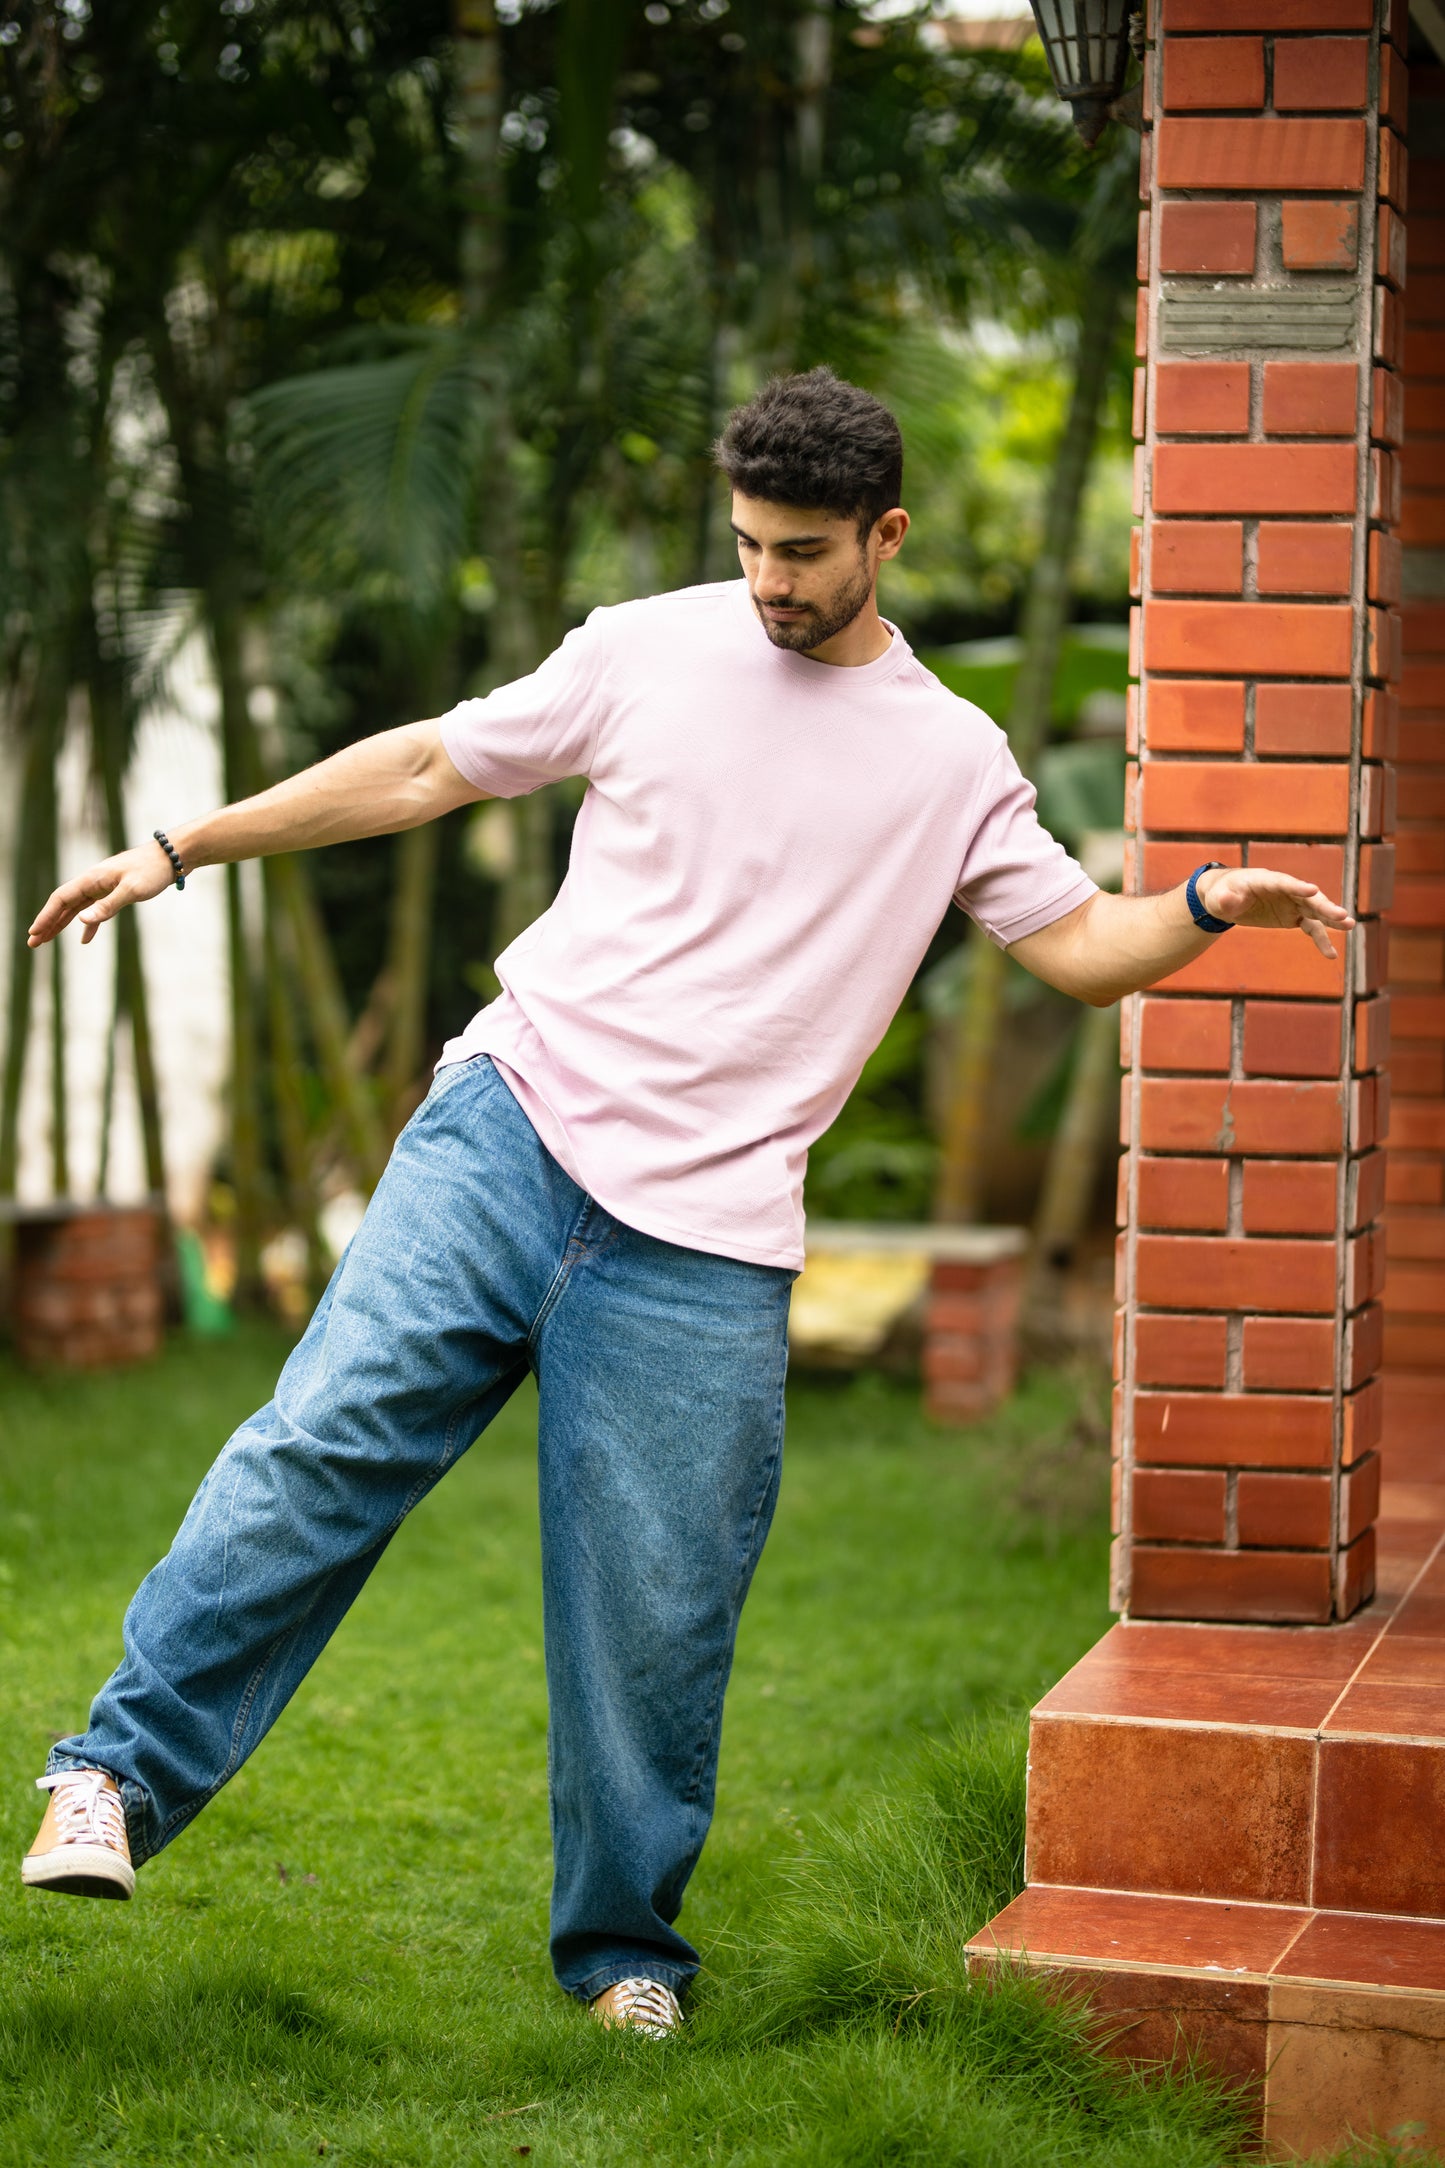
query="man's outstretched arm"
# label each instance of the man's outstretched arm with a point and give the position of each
(398, 779)
(1114, 945)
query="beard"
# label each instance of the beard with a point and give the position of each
(825, 619)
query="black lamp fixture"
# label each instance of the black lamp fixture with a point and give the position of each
(1087, 44)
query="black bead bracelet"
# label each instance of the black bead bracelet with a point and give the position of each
(172, 854)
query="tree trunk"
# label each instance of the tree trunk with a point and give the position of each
(241, 770)
(109, 740)
(326, 1014)
(1045, 620)
(1088, 1120)
(408, 965)
(34, 855)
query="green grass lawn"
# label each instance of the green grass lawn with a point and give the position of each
(346, 1955)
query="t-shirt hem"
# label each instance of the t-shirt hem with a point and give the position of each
(553, 1133)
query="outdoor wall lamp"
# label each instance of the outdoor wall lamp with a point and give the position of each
(1087, 43)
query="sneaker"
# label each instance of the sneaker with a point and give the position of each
(644, 2006)
(81, 1849)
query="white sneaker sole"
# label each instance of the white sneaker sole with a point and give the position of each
(79, 1870)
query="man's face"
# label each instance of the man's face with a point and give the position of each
(809, 573)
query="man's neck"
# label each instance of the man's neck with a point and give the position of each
(861, 642)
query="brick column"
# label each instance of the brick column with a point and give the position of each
(1415, 1188)
(1267, 638)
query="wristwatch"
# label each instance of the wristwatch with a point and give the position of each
(1204, 920)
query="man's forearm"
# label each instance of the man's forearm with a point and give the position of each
(396, 780)
(1117, 945)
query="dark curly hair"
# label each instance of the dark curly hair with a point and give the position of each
(814, 441)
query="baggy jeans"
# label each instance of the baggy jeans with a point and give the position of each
(660, 1374)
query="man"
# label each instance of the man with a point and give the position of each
(603, 1185)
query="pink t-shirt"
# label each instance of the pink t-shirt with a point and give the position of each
(765, 850)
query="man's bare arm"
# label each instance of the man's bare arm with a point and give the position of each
(1114, 945)
(398, 779)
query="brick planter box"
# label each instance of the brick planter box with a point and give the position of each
(892, 1286)
(87, 1285)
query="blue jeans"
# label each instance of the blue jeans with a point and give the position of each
(660, 1373)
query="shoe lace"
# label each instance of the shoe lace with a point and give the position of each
(646, 2006)
(87, 1811)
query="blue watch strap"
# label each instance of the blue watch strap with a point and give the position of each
(1203, 919)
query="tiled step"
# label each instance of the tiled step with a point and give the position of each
(1335, 2020)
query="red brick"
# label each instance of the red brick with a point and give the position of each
(1213, 74)
(1221, 15)
(1296, 719)
(1380, 724)
(1291, 1196)
(1136, 556)
(1359, 1497)
(1213, 1272)
(1414, 1181)
(1372, 1030)
(1321, 75)
(1390, 246)
(1420, 902)
(1293, 1512)
(1178, 1505)
(1178, 1114)
(1364, 1345)
(1321, 863)
(1369, 1111)
(1289, 1354)
(1364, 1422)
(1375, 887)
(1261, 1430)
(1388, 343)
(1393, 178)
(1421, 522)
(1268, 478)
(1387, 406)
(1169, 865)
(1253, 960)
(1304, 559)
(1254, 1587)
(1138, 417)
(1184, 1194)
(1206, 716)
(1365, 1267)
(1141, 248)
(1365, 1188)
(1427, 242)
(1291, 1039)
(1180, 1350)
(1320, 236)
(1383, 643)
(1354, 1573)
(1384, 571)
(1248, 798)
(1260, 638)
(1201, 398)
(1418, 1016)
(1141, 322)
(1417, 1072)
(1394, 89)
(1190, 1035)
(1217, 238)
(1419, 1288)
(1283, 154)
(1198, 556)
(1311, 398)
(1386, 498)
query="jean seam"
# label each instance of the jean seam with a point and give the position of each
(573, 1250)
(747, 1566)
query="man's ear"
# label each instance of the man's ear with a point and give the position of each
(890, 530)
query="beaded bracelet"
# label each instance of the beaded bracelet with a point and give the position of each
(172, 854)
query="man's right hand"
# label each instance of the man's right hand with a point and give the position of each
(103, 890)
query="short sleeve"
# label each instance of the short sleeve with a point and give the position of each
(538, 728)
(1016, 877)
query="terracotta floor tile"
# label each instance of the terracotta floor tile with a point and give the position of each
(1392, 1710)
(1400, 1659)
(1108, 1926)
(1349, 2063)
(1192, 1697)
(1306, 1652)
(1422, 1616)
(1171, 1810)
(1380, 1827)
(1377, 1952)
(1412, 1502)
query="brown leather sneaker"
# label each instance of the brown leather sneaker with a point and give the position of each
(644, 2006)
(81, 1849)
